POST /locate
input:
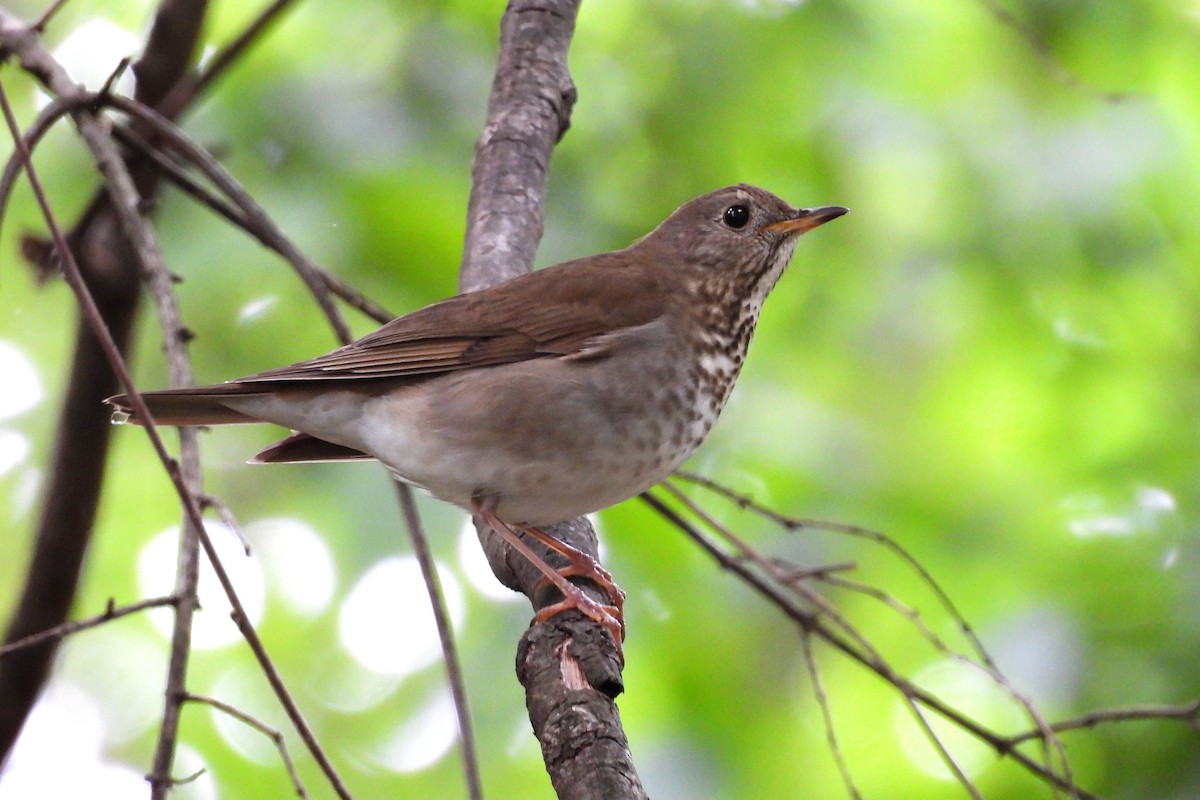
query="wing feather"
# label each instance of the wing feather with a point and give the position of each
(553, 313)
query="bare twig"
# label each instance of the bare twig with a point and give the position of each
(808, 620)
(253, 218)
(48, 15)
(226, 515)
(67, 628)
(254, 214)
(1188, 714)
(774, 571)
(54, 111)
(268, 235)
(940, 748)
(169, 48)
(986, 664)
(266, 730)
(437, 602)
(818, 690)
(880, 538)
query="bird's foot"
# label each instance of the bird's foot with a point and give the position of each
(611, 617)
(583, 565)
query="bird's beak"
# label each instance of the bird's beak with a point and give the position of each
(806, 219)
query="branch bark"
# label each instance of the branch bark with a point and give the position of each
(569, 668)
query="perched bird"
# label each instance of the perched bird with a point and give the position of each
(549, 396)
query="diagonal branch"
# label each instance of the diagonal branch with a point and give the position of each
(111, 613)
(813, 622)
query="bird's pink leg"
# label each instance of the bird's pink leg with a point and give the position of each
(580, 563)
(610, 617)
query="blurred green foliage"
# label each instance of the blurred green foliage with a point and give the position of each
(994, 359)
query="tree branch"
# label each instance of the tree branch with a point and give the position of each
(569, 668)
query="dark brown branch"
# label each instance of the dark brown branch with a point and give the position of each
(186, 91)
(251, 217)
(570, 669)
(170, 48)
(69, 500)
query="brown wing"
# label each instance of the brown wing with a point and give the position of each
(554, 312)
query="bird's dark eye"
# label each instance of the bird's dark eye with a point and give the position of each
(737, 216)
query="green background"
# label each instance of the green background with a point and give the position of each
(993, 358)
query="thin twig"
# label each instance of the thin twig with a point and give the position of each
(266, 730)
(68, 628)
(987, 666)
(253, 218)
(810, 621)
(798, 523)
(159, 65)
(772, 570)
(437, 602)
(254, 213)
(173, 172)
(818, 689)
(1189, 714)
(227, 516)
(58, 108)
(940, 747)
(1051, 742)
(47, 15)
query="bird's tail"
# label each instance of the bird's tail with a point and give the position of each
(197, 405)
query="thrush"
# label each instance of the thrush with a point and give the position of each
(549, 396)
